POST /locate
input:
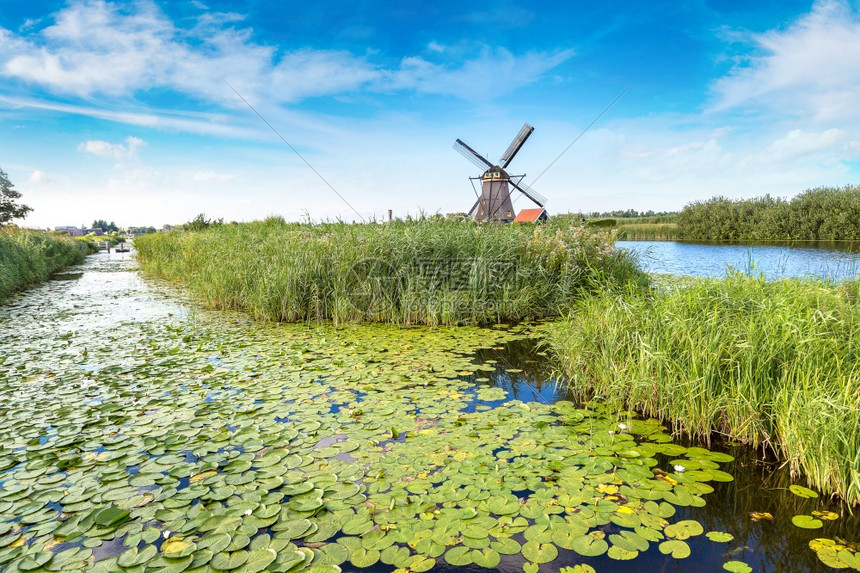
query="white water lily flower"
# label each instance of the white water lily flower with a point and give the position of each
(166, 533)
(611, 432)
(622, 426)
(247, 512)
(679, 468)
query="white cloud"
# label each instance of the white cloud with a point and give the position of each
(96, 48)
(809, 69)
(491, 73)
(212, 176)
(798, 143)
(116, 151)
(40, 178)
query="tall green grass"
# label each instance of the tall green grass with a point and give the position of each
(429, 271)
(771, 364)
(648, 232)
(29, 257)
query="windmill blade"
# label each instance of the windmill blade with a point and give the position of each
(472, 155)
(516, 145)
(536, 197)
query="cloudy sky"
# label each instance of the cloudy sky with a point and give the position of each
(127, 111)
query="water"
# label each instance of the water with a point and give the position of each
(110, 296)
(825, 260)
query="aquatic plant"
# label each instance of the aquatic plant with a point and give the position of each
(774, 364)
(29, 257)
(215, 443)
(405, 272)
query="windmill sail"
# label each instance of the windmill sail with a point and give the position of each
(536, 197)
(516, 145)
(471, 155)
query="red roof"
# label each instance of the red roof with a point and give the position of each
(528, 215)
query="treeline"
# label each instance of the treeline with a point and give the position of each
(820, 214)
(627, 214)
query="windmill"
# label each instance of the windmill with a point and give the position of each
(494, 203)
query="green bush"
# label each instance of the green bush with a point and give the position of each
(820, 214)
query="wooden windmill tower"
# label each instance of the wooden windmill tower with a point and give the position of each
(494, 202)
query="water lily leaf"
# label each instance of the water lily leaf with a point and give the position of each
(487, 557)
(420, 563)
(133, 557)
(684, 529)
(737, 567)
(760, 515)
(719, 536)
(806, 522)
(677, 548)
(579, 568)
(621, 554)
(229, 561)
(33, 561)
(259, 559)
(361, 557)
(506, 546)
(539, 552)
(826, 515)
(459, 556)
(801, 491)
(111, 516)
(589, 546)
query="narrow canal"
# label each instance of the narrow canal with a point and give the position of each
(141, 433)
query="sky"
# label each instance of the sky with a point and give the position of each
(150, 112)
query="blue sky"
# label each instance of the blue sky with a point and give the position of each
(122, 111)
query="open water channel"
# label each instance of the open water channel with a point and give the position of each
(830, 260)
(141, 433)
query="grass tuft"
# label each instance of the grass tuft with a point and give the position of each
(29, 257)
(774, 364)
(424, 271)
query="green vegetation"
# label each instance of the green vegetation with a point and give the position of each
(406, 272)
(105, 226)
(648, 232)
(212, 443)
(771, 364)
(820, 214)
(9, 207)
(29, 257)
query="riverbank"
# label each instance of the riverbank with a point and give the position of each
(425, 271)
(772, 364)
(29, 257)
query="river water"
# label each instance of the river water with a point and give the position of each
(97, 319)
(826, 260)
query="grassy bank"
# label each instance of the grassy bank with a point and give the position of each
(29, 257)
(771, 364)
(423, 271)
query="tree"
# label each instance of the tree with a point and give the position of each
(104, 225)
(9, 209)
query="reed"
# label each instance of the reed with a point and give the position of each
(430, 271)
(648, 232)
(29, 257)
(774, 364)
